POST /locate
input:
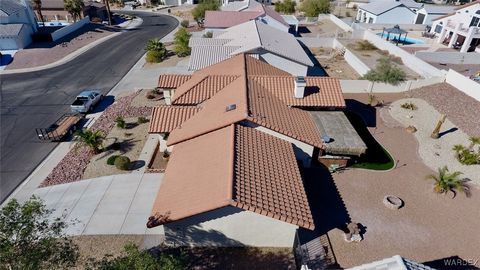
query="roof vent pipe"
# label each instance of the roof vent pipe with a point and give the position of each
(299, 87)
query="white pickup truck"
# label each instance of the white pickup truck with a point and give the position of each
(85, 101)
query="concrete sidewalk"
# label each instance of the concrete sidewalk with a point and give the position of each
(117, 204)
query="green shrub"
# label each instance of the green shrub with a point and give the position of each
(185, 23)
(312, 8)
(120, 122)
(285, 6)
(111, 159)
(154, 56)
(122, 163)
(181, 38)
(198, 12)
(386, 72)
(142, 120)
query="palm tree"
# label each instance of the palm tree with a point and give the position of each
(74, 7)
(154, 44)
(37, 5)
(446, 181)
(458, 148)
(473, 141)
(91, 139)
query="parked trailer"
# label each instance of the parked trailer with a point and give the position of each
(56, 131)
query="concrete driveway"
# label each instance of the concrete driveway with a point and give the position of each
(117, 204)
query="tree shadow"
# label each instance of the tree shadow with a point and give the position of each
(454, 263)
(137, 164)
(443, 133)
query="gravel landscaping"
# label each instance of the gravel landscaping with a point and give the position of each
(460, 108)
(43, 53)
(435, 153)
(72, 166)
(141, 100)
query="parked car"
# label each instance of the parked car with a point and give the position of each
(85, 101)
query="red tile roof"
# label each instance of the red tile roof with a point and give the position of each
(167, 118)
(169, 81)
(270, 186)
(204, 90)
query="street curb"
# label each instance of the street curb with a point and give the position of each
(72, 55)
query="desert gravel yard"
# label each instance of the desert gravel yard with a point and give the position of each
(428, 228)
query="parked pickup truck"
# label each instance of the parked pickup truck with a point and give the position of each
(85, 101)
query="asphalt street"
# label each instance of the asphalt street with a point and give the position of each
(37, 99)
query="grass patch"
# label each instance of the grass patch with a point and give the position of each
(376, 157)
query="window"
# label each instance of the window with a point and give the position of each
(438, 29)
(475, 21)
(370, 20)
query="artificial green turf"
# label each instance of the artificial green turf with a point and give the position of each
(376, 157)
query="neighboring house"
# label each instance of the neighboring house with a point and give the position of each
(429, 13)
(54, 10)
(460, 29)
(269, 44)
(17, 24)
(237, 136)
(232, 5)
(356, 3)
(388, 12)
(393, 263)
(218, 20)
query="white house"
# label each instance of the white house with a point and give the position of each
(460, 29)
(17, 24)
(429, 13)
(385, 12)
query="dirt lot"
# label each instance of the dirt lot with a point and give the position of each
(334, 64)
(43, 53)
(130, 140)
(322, 28)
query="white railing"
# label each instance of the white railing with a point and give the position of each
(463, 84)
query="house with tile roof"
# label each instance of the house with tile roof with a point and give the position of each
(218, 20)
(17, 24)
(388, 11)
(267, 43)
(461, 28)
(237, 132)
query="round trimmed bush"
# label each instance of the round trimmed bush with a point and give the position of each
(122, 163)
(185, 23)
(154, 56)
(111, 159)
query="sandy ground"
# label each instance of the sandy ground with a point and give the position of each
(322, 28)
(132, 141)
(335, 66)
(43, 53)
(370, 57)
(435, 153)
(429, 227)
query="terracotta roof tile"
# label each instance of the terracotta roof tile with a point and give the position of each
(204, 90)
(169, 81)
(270, 186)
(256, 67)
(167, 118)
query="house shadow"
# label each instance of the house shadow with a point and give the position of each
(366, 112)
(316, 69)
(232, 254)
(5, 59)
(454, 263)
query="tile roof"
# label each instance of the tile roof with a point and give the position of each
(169, 81)
(167, 118)
(9, 7)
(205, 89)
(246, 37)
(273, 187)
(270, 11)
(8, 30)
(225, 19)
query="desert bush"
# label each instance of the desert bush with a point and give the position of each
(181, 39)
(285, 6)
(198, 12)
(142, 120)
(386, 72)
(120, 122)
(468, 155)
(365, 45)
(312, 8)
(111, 159)
(445, 181)
(122, 163)
(154, 56)
(409, 106)
(185, 23)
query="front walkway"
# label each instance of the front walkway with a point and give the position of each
(117, 204)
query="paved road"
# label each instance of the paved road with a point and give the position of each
(37, 99)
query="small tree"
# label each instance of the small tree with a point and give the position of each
(386, 72)
(156, 51)
(29, 239)
(74, 8)
(185, 23)
(285, 7)
(181, 38)
(198, 12)
(137, 259)
(91, 139)
(37, 5)
(446, 181)
(312, 8)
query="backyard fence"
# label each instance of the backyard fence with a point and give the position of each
(70, 28)
(364, 86)
(343, 25)
(463, 84)
(450, 57)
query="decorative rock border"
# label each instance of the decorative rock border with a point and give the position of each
(392, 202)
